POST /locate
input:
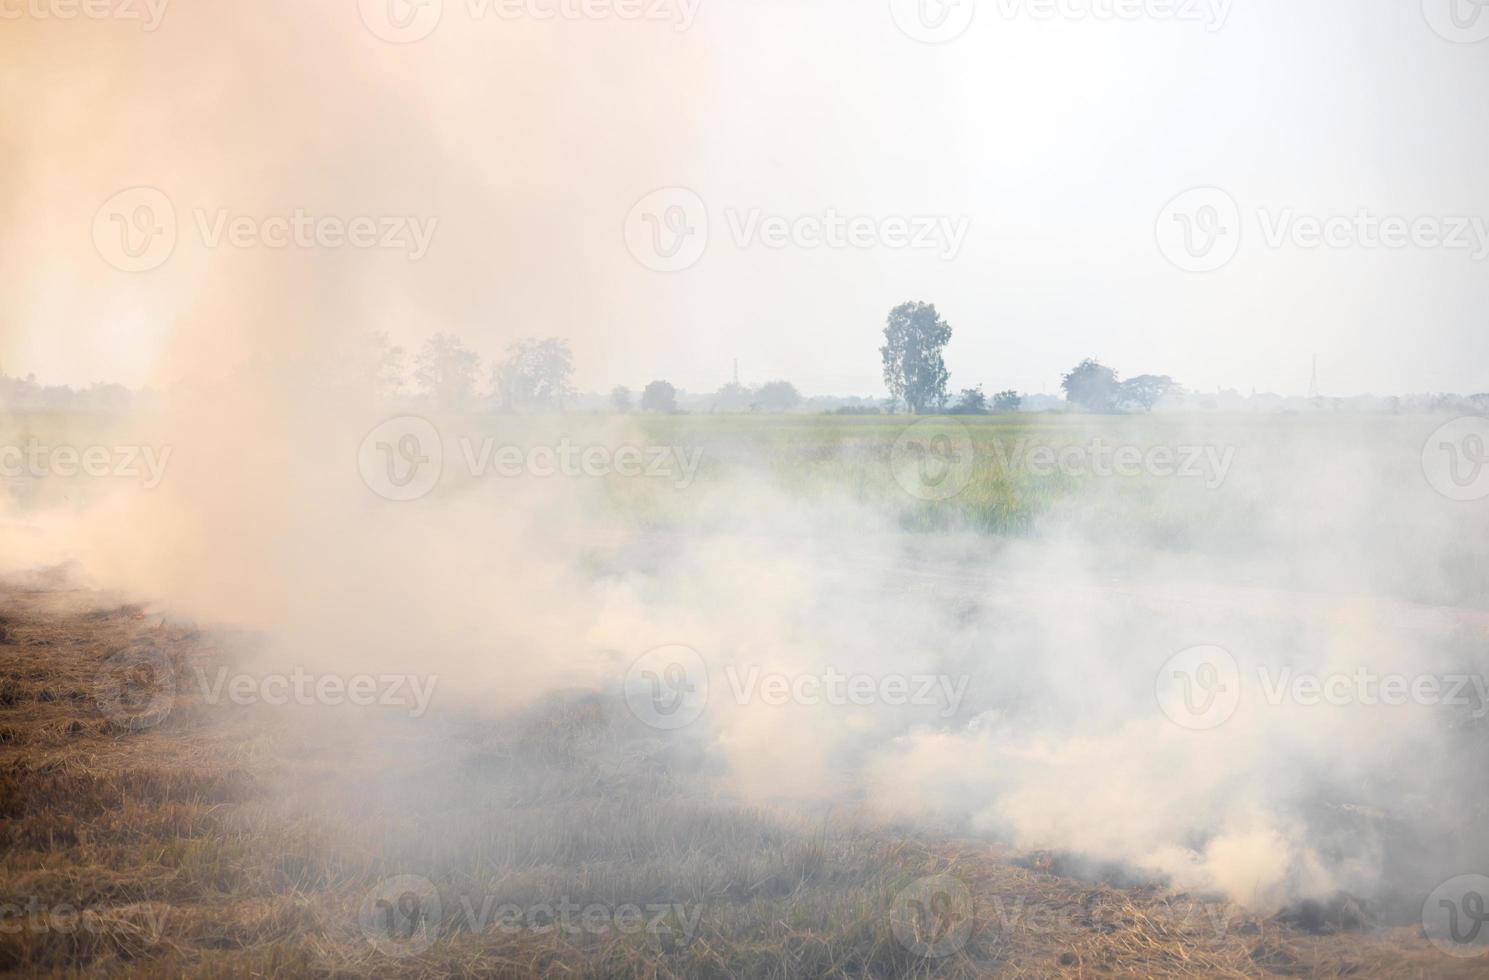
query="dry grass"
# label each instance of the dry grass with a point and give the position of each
(224, 842)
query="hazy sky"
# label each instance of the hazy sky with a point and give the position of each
(1036, 151)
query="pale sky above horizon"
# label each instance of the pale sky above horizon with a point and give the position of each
(1037, 153)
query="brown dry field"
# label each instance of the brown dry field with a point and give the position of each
(233, 843)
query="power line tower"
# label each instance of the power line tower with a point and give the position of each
(1313, 381)
(736, 372)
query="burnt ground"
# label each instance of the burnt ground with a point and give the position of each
(151, 836)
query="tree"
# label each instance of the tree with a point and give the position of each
(777, 396)
(732, 398)
(446, 371)
(620, 399)
(1007, 401)
(972, 402)
(534, 376)
(386, 366)
(659, 396)
(1146, 390)
(914, 372)
(1092, 386)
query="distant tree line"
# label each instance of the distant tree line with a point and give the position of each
(916, 336)
(533, 375)
(28, 393)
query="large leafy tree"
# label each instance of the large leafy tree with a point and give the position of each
(972, 402)
(659, 396)
(446, 371)
(914, 371)
(1092, 386)
(777, 396)
(1146, 390)
(732, 397)
(534, 376)
(385, 366)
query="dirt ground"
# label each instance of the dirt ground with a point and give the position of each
(185, 838)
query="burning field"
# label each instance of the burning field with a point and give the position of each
(663, 488)
(207, 842)
(892, 744)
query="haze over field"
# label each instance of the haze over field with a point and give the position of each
(355, 263)
(1053, 140)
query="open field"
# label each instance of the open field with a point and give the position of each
(533, 822)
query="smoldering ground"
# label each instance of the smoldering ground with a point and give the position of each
(1049, 644)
